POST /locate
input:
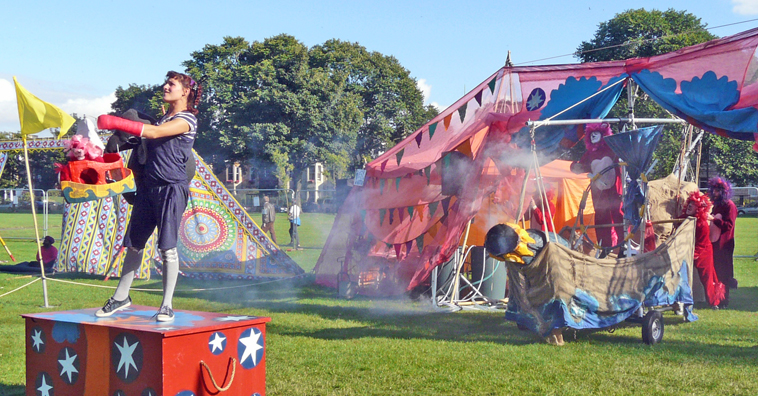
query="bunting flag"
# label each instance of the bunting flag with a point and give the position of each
(445, 205)
(397, 184)
(36, 115)
(420, 211)
(420, 243)
(392, 215)
(408, 246)
(419, 136)
(432, 231)
(400, 214)
(428, 173)
(3, 161)
(462, 111)
(397, 250)
(382, 213)
(447, 120)
(381, 186)
(410, 211)
(433, 208)
(492, 85)
(384, 165)
(478, 97)
(399, 156)
(432, 128)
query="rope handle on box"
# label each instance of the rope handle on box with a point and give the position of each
(233, 361)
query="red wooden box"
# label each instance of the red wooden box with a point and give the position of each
(130, 354)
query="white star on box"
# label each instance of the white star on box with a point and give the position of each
(37, 340)
(44, 389)
(217, 342)
(233, 318)
(251, 347)
(67, 365)
(126, 356)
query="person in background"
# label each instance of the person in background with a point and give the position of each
(49, 257)
(294, 217)
(538, 219)
(699, 206)
(606, 188)
(722, 233)
(163, 190)
(268, 216)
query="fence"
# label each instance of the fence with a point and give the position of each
(17, 200)
(312, 201)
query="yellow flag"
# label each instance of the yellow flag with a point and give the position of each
(36, 115)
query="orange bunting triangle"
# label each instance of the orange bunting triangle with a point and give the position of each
(447, 120)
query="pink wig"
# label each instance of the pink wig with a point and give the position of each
(702, 203)
(604, 129)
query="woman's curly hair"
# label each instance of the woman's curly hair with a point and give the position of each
(720, 183)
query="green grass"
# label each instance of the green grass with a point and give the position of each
(319, 344)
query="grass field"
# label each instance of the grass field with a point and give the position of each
(318, 344)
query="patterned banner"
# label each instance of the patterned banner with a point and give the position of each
(35, 144)
(217, 237)
(219, 240)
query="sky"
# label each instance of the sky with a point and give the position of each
(75, 54)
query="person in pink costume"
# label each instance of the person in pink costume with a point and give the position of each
(722, 232)
(606, 189)
(699, 206)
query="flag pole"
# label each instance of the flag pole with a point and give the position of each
(34, 218)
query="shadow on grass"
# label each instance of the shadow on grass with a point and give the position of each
(11, 390)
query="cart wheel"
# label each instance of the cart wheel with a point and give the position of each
(652, 328)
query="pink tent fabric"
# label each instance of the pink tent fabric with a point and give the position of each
(400, 224)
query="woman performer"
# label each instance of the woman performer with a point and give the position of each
(163, 191)
(699, 206)
(724, 216)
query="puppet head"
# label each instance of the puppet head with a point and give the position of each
(697, 205)
(719, 183)
(600, 131)
(81, 148)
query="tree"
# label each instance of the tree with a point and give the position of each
(391, 102)
(287, 106)
(145, 98)
(642, 33)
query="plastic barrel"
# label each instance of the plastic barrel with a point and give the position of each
(445, 275)
(492, 285)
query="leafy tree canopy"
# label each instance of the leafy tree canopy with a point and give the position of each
(280, 103)
(642, 33)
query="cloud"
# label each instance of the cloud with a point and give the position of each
(425, 88)
(89, 106)
(72, 103)
(8, 107)
(745, 7)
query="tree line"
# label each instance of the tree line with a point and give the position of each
(278, 106)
